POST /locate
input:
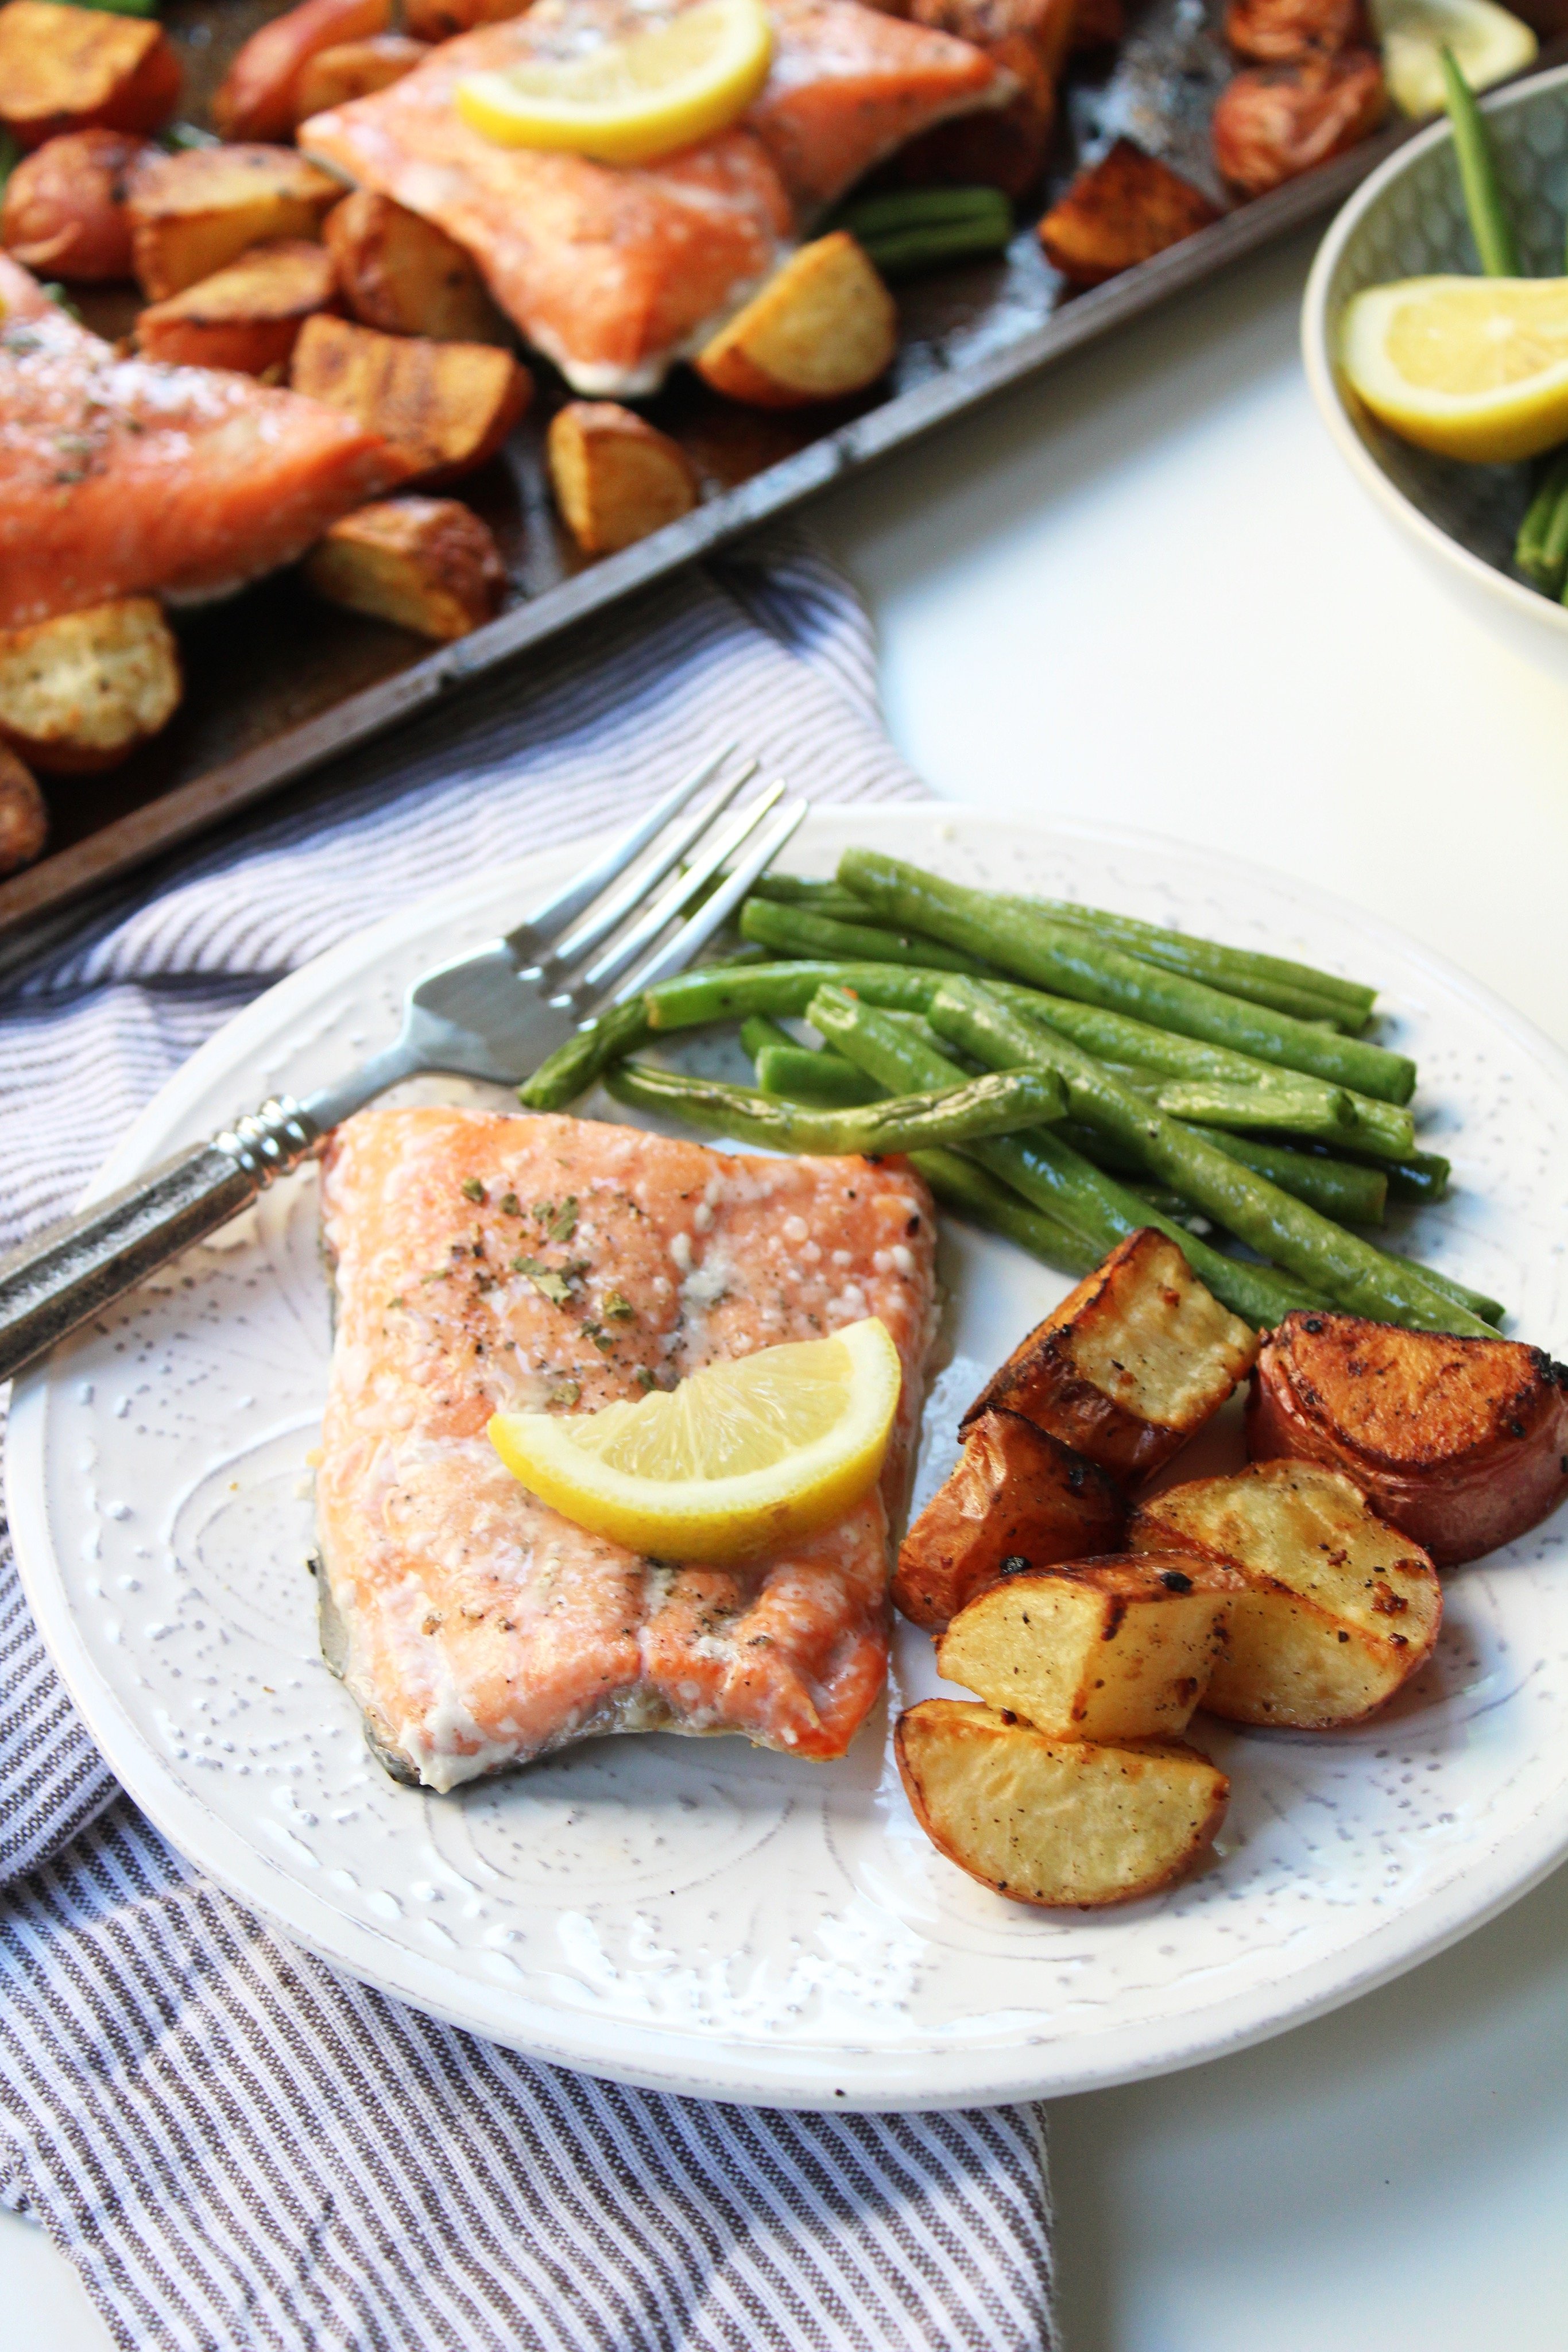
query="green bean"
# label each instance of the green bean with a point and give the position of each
(1489, 224)
(1546, 520)
(1353, 1273)
(1340, 1188)
(958, 1184)
(1423, 1177)
(1049, 1174)
(572, 1068)
(1292, 1110)
(800, 930)
(902, 253)
(758, 1031)
(992, 1105)
(10, 155)
(905, 208)
(819, 1081)
(822, 898)
(694, 998)
(1073, 963)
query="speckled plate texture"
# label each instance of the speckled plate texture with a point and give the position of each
(1408, 221)
(694, 1914)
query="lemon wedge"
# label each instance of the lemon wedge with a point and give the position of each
(1472, 367)
(631, 101)
(741, 1456)
(1488, 43)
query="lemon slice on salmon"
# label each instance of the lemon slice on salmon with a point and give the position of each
(1472, 367)
(740, 1457)
(631, 101)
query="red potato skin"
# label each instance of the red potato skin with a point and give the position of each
(142, 103)
(257, 99)
(1462, 1444)
(64, 213)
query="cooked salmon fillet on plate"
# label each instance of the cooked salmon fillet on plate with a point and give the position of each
(538, 1263)
(614, 271)
(121, 478)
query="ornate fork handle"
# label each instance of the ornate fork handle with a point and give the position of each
(71, 1271)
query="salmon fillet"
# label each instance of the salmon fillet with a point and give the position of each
(122, 477)
(475, 1627)
(616, 271)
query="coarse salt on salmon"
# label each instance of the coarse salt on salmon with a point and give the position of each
(487, 1262)
(121, 478)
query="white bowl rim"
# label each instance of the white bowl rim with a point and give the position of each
(1318, 359)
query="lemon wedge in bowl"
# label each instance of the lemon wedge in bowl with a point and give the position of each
(631, 101)
(741, 1456)
(1471, 367)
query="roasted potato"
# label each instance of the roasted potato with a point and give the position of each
(336, 76)
(1273, 122)
(438, 20)
(405, 276)
(81, 69)
(615, 476)
(1046, 25)
(1064, 1823)
(193, 212)
(257, 99)
(823, 326)
(1019, 1499)
(1339, 1611)
(1121, 211)
(248, 316)
(1100, 1649)
(1282, 32)
(1462, 1444)
(1131, 1364)
(1099, 25)
(426, 564)
(79, 693)
(446, 407)
(23, 814)
(64, 213)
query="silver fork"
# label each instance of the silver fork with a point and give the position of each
(497, 1014)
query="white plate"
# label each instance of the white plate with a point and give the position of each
(697, 1914)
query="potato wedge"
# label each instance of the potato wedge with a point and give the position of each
(615, 476)
(23, 814)
(439, 20)
(446, 407)
(823, 326)
(256, 97)
(64, 213)
(426, 564)
(405, 276)
(65, 69)
(1063, 1823)
(248, 316)
(79, 693)
(193, 212)
(1122, 210)
(336, 76)
(1462, 1444)
(1339, 1611)
(1019, 1499)
(1131, 1364)
(1121, 1648)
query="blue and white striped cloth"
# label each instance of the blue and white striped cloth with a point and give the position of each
(234, 2145)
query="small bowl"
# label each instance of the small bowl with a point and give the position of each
(1408, 221)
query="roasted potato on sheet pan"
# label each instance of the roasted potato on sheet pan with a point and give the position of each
(1059, 1822)
(1274, 122)
(23, 814)
(1131, 1364)
(1100, 1649)
(65, 69)
(615, 476)
(1282, 32)
(193, 212)
(1018, 1500)
(426, 564)
(1339, 1611)
(823, 326)
(1462, 1444)
(64, 213)
(405, 276)
(248, 316)
(353, 69)
(1121, 211)
(446, 407)
(257, 99)
(79, 693)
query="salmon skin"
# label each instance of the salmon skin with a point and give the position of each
(532, 1263)
(616, 271)
(122, 477)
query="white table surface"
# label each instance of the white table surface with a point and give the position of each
(1144, 590)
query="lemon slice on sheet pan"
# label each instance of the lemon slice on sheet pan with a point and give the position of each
(1472, 367)
(634, 100)
(741, 1456)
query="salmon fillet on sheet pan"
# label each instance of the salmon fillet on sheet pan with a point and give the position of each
(474, 1627)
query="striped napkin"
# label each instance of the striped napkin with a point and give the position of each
(236, 2146)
